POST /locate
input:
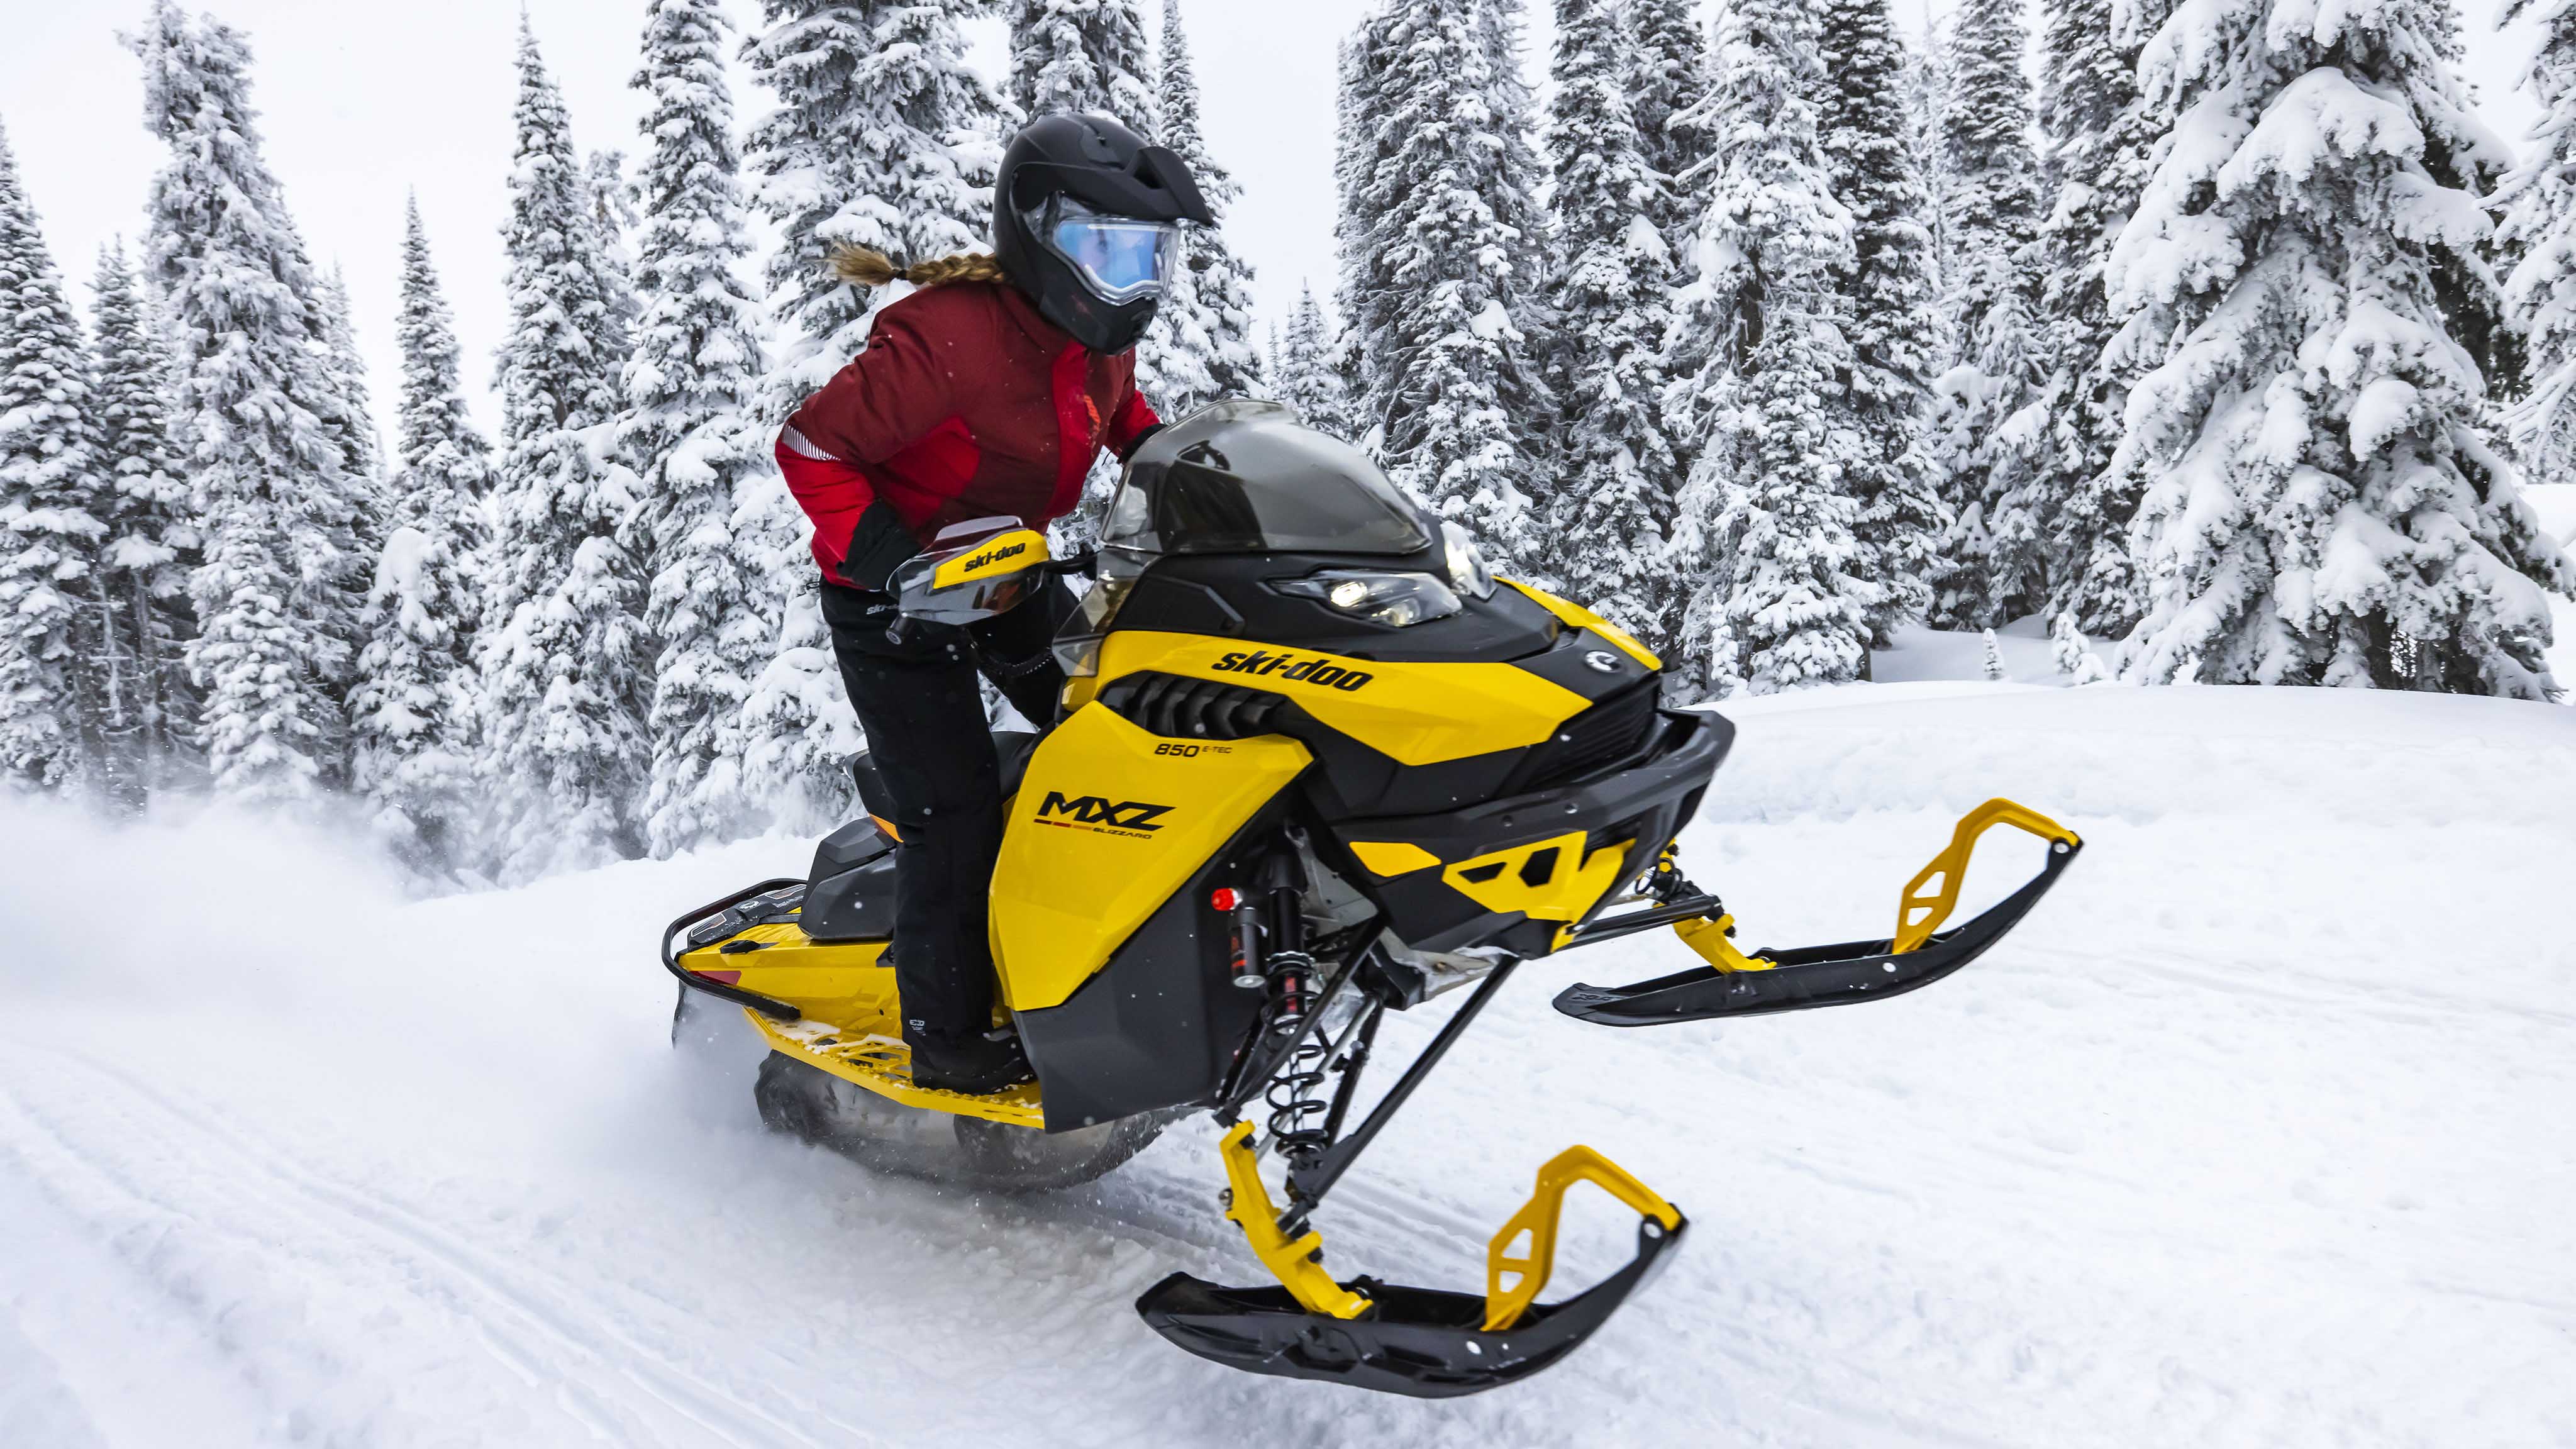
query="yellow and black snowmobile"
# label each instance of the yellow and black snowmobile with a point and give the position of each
(1315, 765)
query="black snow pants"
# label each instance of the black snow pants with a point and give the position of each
(915, 694)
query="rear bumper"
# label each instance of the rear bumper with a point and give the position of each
(711, 925)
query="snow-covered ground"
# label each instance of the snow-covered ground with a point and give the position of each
(2255, 1134)
(1924, 655)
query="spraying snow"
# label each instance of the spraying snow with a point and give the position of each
(2250, 1135)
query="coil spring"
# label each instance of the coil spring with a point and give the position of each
(1290, 1093)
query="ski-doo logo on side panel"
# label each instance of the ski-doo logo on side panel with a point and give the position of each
(1096, 813)
(1281, 665)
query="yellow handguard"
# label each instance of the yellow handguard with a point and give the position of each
(991, 558)
(1529, 1272)
(1290, 1260)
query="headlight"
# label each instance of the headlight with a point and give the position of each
(1394, 599)
(1466, 562)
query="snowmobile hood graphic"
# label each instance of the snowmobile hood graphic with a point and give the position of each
(1315, 765)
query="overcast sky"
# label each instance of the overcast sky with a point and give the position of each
(361, 101)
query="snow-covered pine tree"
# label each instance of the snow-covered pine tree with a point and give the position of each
(1611, 295)
(2100, 138)
(1365, 188)
(1671, 53)
(613, 199)
(353, 427)
(350, 420)
(690, 432)
(884, 138)
(1200, 348)
(2319, 506)
(2466, 285)
(1993, 665)
(565, 665)
(2539, 202)
(1081, 55)
(409, 713)
(414, 714)
(1520, 172)
(1763, 529)
(1891, 297)
(435, 431)
(275, 597)
(1927, 100)
(614, 217)
(1302, 369)
(152, 537)
(1521, 177)
(2074, 653)
(1453, 381)
(62, 720)
(1991, 433)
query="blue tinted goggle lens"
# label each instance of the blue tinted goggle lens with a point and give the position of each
(1123, 260)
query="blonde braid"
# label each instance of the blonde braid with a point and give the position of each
(862, 267)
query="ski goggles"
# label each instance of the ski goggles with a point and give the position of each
(1120, 258)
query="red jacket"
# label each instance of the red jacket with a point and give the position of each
(966, 404)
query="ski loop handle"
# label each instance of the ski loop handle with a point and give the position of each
(1934, 892)
(1537, 1220)
(1738, 983)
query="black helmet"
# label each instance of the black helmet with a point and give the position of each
(1086, 222)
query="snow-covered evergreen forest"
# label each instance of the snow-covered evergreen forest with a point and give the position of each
(2217, 338)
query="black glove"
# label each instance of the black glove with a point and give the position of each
(879, 544)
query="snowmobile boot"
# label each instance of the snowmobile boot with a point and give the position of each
(975, 1063)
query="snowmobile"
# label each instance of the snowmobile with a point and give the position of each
(1315, 764)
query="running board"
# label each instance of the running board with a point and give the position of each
(883, 1065)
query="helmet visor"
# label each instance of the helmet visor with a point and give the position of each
(1120, 258)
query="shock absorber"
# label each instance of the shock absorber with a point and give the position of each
(1288, 975)
(1244, 930)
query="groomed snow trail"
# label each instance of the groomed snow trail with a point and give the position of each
(2255, 1134)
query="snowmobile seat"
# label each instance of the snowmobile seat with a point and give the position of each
(849, 892)
(1012, 746)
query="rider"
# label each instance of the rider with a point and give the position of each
(986, 393)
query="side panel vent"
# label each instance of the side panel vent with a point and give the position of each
(1192, 709)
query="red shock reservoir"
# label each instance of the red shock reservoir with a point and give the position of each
(1242, 937)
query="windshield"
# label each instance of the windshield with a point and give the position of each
(1247, 477)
